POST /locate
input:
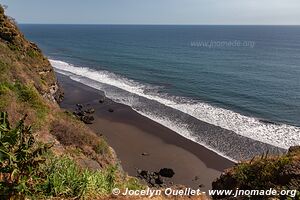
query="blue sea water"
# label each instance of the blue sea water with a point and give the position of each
(245, 79)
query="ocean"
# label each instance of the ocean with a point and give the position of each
(244, 79)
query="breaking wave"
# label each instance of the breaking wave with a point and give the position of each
(279, 135)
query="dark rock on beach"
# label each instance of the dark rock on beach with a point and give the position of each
(79, 106)
(87, 119)
(84, 114)
(166, 172)
(155, 179)
(101, 100)
(90, 110)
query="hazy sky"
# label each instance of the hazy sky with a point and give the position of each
(155, 11)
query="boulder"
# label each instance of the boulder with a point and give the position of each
(79, 106)
(153, 179)
(167, 172)
(90, 110)
(101, 100)
(89, 163)
(87, 119)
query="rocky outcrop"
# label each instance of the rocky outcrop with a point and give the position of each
(84, 113)
(26, 61)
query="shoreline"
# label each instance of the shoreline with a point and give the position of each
(131, 134)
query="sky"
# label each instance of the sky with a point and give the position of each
(207, 12)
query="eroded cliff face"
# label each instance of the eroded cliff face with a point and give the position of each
(28, 86)
(23, 61)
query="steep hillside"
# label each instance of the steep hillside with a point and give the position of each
(23, 61)
(46, 152)
(28, 87)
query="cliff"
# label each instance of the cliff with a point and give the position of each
(23, 61)
(28, 87)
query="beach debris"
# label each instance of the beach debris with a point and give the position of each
(110, 110)
(196, 178)
(167, 172)
(155, 179)
(84, 114)
(145, 154)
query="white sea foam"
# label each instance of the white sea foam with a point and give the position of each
(280, 135)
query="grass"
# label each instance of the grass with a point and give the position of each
(13, 47)
(4, 69)
(20, 84)
(101, 147)
(70, 131)
(65, 179)
(32, 53)
(26, 95)
(39, 174)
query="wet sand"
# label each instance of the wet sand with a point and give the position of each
(131, 134)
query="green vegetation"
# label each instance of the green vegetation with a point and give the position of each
(29, 169)
(20, 154)
(279, 172)
(261, 173)
(26, 95)
(66, 179)
(101, 147)
(32, 53)
(69, 132)
(13, 47)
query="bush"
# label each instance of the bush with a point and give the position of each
(28, 169)
(101, 147)
(261, 173)
(69, 133)
(32, 53)
(20, 154)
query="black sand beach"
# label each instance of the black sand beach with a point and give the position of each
(131, 135)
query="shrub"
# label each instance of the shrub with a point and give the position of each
(20, 154)
(261, 173)
(101, 147)
(32, 53)
(69, 133)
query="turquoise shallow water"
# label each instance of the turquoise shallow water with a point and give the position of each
(252, 89)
